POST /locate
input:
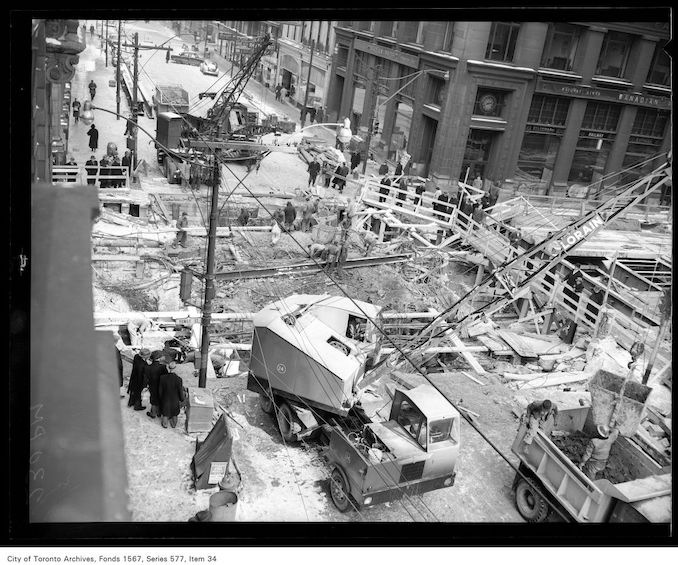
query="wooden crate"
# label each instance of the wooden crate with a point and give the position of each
(199, 410)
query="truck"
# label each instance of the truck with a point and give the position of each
(311, 361)
(170, 98)
(169, 127)
(553, 479)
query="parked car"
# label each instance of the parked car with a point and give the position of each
(187, 58)
(209, 68)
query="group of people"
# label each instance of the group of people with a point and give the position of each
(151, 371)
(543, 415)
(109, 165)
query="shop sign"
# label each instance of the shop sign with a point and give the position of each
(387, 53)
(541, 129)
(581, 233)
(606, 94)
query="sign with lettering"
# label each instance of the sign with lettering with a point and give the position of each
(387, 53)
(217, 472)
(534, 128)
(581, 232)
(605, 94)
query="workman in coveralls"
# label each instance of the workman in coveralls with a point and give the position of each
(536, 417)
(597, 451)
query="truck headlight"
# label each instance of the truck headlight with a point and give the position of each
(448, 481)
(367, 501)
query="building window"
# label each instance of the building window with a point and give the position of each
(502, 41)
(660, 69)
(435, 91)
(651, 123)
(550, 110)
(419, 40)
(449, 36)
(561, 46)
(614, 54)
(342, 56)
(489, 102)
(537, 158)
(601, 117)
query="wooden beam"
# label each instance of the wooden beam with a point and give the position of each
(463, 349)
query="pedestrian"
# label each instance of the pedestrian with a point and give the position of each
(167, 56)
(313, 170)
(72, 176)
(399, 169)
(485, 200)
(355, 160)
(536, 417)
(312, 114)
(327, 173)
(340, 177)
(92, 88)
(418, 191)
(153, 372)
(401, 196)
(437, 204)
(92, 170)
(574, 285)
(478, 182)
(93, 134)
(104, 171)
(319, 115)
(129, 125)
(182, 235)
(137, 379)
(127, 162)
(290, 216)
(76, 110)
(116, 171)
(383, 169)
(244, 217)
(384, 188)
(171, 395)
(91, 31)
(597, 451)
(278, 89)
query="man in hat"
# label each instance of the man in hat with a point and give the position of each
(536, 417)
(182, 233)
(153, 372)
(137, 379)
(597, 451)
(171, 393)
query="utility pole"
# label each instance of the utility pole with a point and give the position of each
(117, 73)
(106, 44)
(209, 276)
(135, 87)
(204, 50)
(374, 88)
(308, 84)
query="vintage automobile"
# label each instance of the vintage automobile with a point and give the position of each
(209, 68)
(187, 58)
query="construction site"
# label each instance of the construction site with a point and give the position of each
(309, 346)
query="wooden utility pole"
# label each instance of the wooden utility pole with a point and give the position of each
(117, 74)
(308, 84)
(209, 276)
(374, 88)
(135, 87)
(106, 44)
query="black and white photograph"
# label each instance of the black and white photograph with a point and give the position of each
(341, 281)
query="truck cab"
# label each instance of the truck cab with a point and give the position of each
(413, 452)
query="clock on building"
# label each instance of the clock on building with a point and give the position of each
(488, 103)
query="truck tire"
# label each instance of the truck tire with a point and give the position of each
(285, 419)
(530, 503)
(266, 404)
(339, 490)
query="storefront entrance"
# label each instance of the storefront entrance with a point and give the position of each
(477, 154)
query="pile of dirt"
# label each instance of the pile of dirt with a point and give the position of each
(574, 445)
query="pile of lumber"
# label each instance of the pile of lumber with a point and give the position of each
(314, 148)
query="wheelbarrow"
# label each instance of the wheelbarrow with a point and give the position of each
(617, 401)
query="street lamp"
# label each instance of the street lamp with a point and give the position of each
(344, 134)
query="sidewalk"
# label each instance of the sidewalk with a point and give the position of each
(111, 129)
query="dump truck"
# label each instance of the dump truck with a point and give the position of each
(170, 98)
(309, 360)
(555, 481)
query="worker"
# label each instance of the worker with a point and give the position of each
(181, 234)
(244, 217)
(290, 214)
(309, 209)
(597, 451)
(313, 170)
(137, 378)
(384, 189)
(330, 255)
(370, 239)
(153, 372)
(136, 328)
(536, 417)
(315, 250)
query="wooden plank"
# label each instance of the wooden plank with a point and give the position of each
(494, 344)
(463, 409)
(525, 346)
(464, 351)
(473, 378)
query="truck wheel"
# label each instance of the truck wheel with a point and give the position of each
(266, 404)
(285, 419)
(531, 504)
(339, 490)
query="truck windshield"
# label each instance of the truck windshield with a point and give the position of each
(414, 422)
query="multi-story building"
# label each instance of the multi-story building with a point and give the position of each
(55, 48)
(297, 45)
(543, 106)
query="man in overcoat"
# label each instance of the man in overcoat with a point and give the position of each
(154, 372)
(171, 390)
(137, 379)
